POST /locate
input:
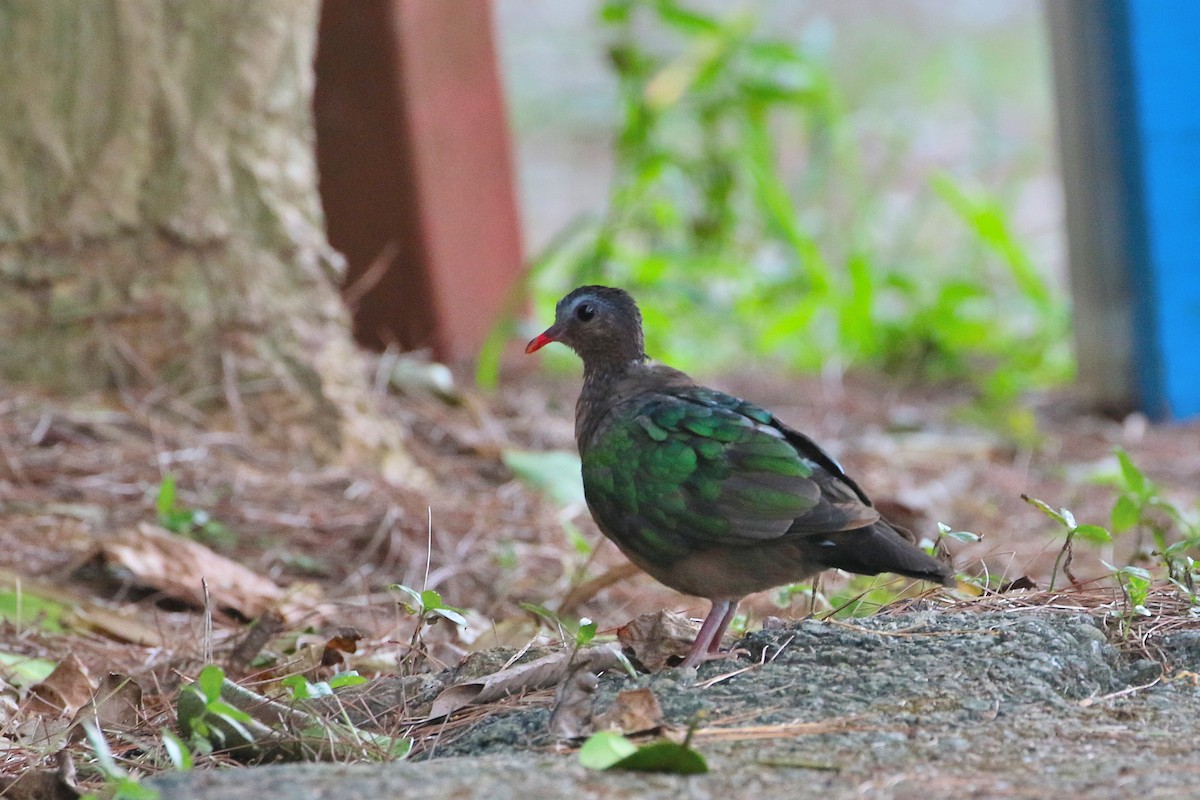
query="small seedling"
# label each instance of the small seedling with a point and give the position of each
(427, 606)
(119, 784)
(1064, 517)
(303, 689)
(1135, 585)
(210, 723)
(193, 523)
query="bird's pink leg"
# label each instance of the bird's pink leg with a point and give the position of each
(708, 642)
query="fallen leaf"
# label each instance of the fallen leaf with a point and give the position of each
(65, 690)
(656, 638)
(634, 711)
(344, 640)
(115, 624)
(540, 674)
(116, 706)
(176, 567)
(572, 714)
(43, 785)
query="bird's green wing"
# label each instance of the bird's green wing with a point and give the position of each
(672, 473)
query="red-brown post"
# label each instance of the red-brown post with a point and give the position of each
(413, 152)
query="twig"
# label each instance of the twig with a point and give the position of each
(1087, 702)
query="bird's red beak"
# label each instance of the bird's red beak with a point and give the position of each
(544, 338)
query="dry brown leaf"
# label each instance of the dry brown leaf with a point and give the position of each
(116, 706)
(43, 785)
(65, 690)
(540, 674)
(656, 638)
(572, 715)
(115, 624)
(344, 640)
(635, 711)
(176, 566)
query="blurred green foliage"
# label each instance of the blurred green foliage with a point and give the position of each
(710, 230)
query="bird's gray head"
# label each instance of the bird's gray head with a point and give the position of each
(600, 323)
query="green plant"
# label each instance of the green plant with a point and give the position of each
(119, 784)
(304, 689)
(213, 722)
(193, 523)
(427, 606)
(703, 216)
(1073, 531)
(578, 634)
(1135, 583)
(1141, 506)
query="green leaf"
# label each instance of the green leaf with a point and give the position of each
(343, 679)
(1092, 533)
(181, 757)
(400, 748)
(611, 750)
(555, 473)
(300, 687)
(1133, 477)
(452, 614)
(417, 605)
(23, 671)
(1125, 514)
(165, 502)
(586, 632)
(664, 756)
(227, 712)
(209, 682)
(24, 607)
(604, 749)
(1047, 510)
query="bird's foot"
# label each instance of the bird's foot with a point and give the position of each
(695, 659)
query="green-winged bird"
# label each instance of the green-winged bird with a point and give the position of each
(711, 495)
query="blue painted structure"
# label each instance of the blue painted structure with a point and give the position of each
(1127, 74)
(1164, 49)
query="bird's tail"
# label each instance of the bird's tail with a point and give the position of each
(883, 547)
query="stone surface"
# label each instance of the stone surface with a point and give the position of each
(918, 705)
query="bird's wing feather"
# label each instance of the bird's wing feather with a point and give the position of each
(670, 472)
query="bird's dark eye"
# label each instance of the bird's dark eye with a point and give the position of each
(584, 312)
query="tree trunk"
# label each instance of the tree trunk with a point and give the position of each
(159, 220)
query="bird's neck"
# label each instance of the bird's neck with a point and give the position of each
(603, 386)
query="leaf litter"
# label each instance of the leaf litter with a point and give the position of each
(79, 486)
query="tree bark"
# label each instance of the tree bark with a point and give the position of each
(160, 225)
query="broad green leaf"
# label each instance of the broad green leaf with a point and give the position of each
(1133, 477)
(165, 502)
(1046, 509)
(1092, 533)
(23, 671)
(604, 749)
(298, 685)
(22, 607)
(181, 757)
(452, 614)
(555, 473)
(209, 682)
(1125, 514)
(346, 679)
(664, 756)
(586, 632)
